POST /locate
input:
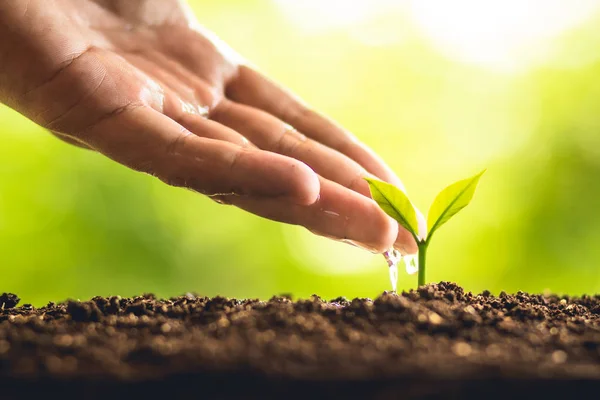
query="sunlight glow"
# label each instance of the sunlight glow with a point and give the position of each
(502, 35)
(507, 34)
(320, 15)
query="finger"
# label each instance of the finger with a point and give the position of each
(253, 89)
(149, 141)
(270, 133)
(70, 140)
(265, 130)
(210, 129)
(339, 214)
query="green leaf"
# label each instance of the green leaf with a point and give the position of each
(450, 201)
(395, 204)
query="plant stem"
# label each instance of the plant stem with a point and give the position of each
(422, 253)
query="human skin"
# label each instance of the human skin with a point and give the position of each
(141, 82)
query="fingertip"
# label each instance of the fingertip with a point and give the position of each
(385, 232)
(374, 230)
(376, 244)
(405, 242)
(267, 174)
(305, 185)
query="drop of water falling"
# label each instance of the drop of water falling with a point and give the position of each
(393, 257)
(394, 277)
(411, 263)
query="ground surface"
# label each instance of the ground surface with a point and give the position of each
(437, 342)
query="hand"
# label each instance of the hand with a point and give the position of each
(142, 83)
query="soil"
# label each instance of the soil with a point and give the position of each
(438, 342)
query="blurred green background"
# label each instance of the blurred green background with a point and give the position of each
(440, 89)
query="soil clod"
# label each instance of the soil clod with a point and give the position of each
(9, 300)
(436, 342)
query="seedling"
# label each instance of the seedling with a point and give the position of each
(448, 202)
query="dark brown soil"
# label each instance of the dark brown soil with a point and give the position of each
(437, 342)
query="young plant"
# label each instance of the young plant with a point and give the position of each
(448, 202)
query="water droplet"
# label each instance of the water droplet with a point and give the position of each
(394, 276)
(411, 263)
(393, 257)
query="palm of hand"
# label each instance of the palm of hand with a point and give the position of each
(112, 55)
(142, 83)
